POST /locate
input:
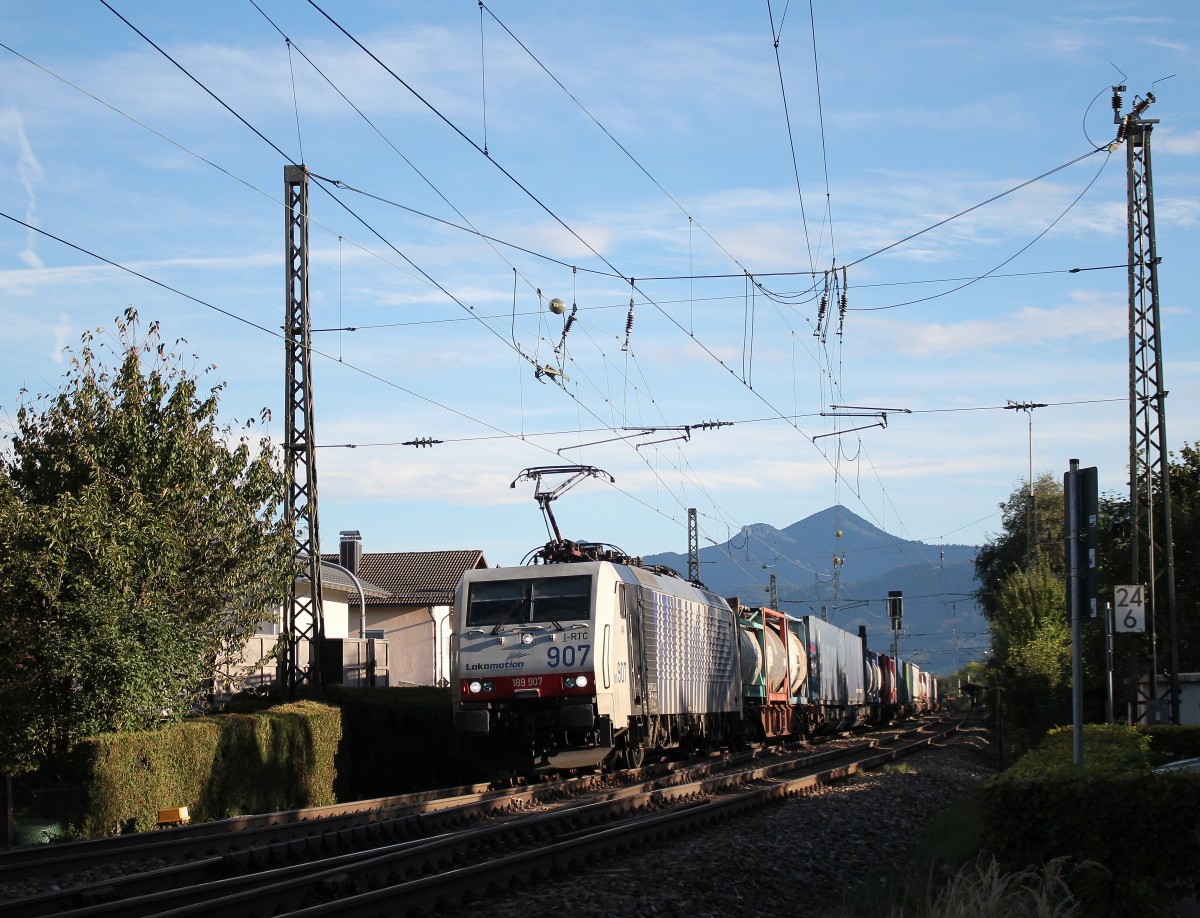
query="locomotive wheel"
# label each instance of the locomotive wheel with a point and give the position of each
(634, 755)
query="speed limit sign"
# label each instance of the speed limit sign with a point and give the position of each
(1130, 608)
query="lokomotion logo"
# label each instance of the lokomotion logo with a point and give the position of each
(514, 660)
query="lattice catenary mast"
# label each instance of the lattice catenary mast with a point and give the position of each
(303, 617)
(693, 547)
(1153, 560)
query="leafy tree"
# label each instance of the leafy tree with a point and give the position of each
(1031, 635)
(1031, 647)
(1116, 529)
(1010, 549)
(1029, 630)
(1185, 531)
(1032, 651)
(140, 542)
(1023, 595)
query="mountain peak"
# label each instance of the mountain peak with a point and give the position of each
(834, 561)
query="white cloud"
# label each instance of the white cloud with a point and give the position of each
(1165, 43)
(1181, 143)
(1091, 317)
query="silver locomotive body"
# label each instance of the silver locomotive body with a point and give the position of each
(574, 663)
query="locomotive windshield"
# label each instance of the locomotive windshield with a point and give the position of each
(550, 600)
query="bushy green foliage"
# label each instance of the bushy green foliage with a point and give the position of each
(1170, 743)
(1010, 550)
(279, 759)
(1185, 523)
(139, 543)
(1114, 813)
(360, 743)
(1108, 749)
(1023, 595)
(397, 740)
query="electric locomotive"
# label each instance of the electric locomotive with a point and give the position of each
(577, 662)
(588, 657)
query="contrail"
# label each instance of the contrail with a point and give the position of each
(30, 171)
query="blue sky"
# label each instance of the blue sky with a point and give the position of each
(624, 141)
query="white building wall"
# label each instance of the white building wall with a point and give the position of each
(410, 637)
(441, 645)
(335, 610)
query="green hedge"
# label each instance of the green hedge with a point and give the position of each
(397, 740)
(1136, 828)
(282, 758)
(1169, 743)
(352, 745)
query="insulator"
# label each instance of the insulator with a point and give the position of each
(821, 307)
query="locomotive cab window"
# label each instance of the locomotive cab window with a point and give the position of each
(563, 599)
(553, 600)
(491, 603)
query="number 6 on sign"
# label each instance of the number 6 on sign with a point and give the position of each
(1130, 608)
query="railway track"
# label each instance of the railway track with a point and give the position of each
(402, 855)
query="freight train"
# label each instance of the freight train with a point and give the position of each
(593, 659)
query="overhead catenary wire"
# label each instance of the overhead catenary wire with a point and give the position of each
(349, 210)
(1012, 257)
(278, 150)
(610, 273)
(787, 114)
(613, 269)
(792, 413)
(313, 350)
(360, 219)
(528, 192)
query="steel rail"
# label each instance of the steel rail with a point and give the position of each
(285, 888)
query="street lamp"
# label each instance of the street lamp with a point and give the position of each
(362, 598)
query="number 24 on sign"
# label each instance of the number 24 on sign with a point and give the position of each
(1130, 608)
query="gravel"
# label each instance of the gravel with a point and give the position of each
(796, 858)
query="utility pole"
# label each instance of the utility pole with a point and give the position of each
(693, 547)
(773, 593)
(1031, 504)
(303, 618)
(1152, 552)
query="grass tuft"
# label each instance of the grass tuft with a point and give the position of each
(979, 889)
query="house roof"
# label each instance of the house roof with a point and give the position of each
(339, 580)
(415, 578)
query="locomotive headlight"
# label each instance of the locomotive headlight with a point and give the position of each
(526, 638)
(487, 686)
(581, 681)
(475, 688)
